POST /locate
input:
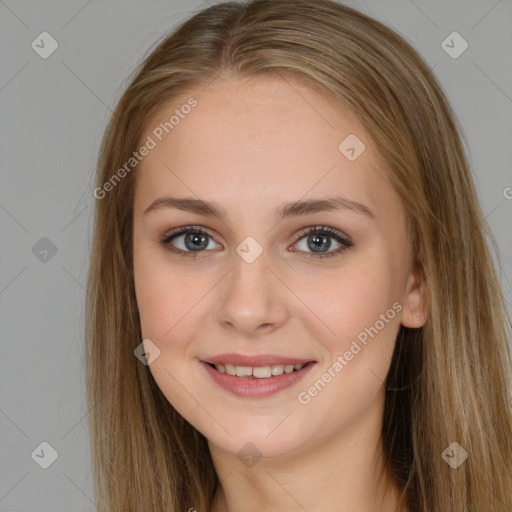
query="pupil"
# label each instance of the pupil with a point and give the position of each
(196, 241)
(320, 242)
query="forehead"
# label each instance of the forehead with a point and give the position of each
(251, 142)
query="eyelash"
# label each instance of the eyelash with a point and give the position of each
(331, 232)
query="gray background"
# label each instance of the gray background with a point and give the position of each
(53, 113)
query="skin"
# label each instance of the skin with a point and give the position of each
(251, 145)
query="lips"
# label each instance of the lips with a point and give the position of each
(260, 385)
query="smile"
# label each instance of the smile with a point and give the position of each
(256, 381)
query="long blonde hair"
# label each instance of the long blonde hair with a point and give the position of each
(448, 382)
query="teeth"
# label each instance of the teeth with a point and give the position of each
(277, 369)
(260, 372)
(263, 372)
(243, 371)
(230, 369)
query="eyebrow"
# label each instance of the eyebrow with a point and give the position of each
(286, 210)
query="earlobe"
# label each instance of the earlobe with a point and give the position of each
(414, 312)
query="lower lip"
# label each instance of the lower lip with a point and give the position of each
(256, 388)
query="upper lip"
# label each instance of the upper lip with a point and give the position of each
(256, 360)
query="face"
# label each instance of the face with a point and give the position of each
(269, 283)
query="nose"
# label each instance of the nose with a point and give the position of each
(253, 300)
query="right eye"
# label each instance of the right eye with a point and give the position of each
(195, 240)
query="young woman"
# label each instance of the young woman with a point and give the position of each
(291, 302)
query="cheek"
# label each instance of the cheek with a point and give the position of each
(167, 298)
(355, 298)
(362, 310)
(169, 304)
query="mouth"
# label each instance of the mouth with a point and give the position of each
(258, 372)
(269, 376)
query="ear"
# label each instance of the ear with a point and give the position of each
(415, 307)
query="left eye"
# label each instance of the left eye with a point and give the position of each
(319, 238)
(196, 240)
